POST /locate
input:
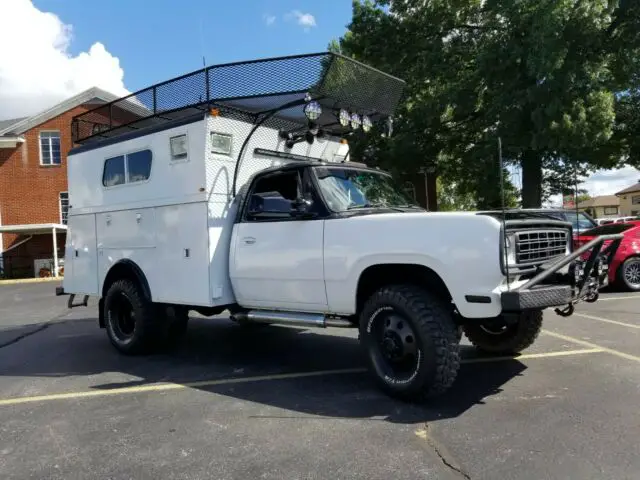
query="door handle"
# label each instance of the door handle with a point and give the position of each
(249, 240)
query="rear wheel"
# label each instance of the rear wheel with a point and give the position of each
(500, 337)
(410, 341)
(130, 318)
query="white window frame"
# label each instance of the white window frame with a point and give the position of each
(126, 169)
(52, 164)
(62, 221)
(635, 200)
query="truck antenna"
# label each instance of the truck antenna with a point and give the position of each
(575, 200)
(504, 210)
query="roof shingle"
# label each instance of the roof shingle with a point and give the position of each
(7, 123)
(633, 188)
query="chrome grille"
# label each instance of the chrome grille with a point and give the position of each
(539, 246)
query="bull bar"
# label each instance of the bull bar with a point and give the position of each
(582, 280)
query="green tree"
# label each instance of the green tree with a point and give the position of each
(544, 76)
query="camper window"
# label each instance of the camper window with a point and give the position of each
(113, 171)
(138, 166)
(130, 168)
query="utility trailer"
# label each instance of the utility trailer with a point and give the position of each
(232, 189)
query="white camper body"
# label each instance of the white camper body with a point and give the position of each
(170, 213)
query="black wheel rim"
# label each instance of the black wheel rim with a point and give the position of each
(632, 273)
(122, 317)
(394, 346)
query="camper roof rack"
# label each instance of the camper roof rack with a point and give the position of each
(268, 91)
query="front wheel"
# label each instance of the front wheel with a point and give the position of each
(629, 274)
(500, 337)
(410, 341)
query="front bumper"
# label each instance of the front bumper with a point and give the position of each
(536, 298)
(567, 280)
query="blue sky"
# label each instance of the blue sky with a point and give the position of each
(159, 39)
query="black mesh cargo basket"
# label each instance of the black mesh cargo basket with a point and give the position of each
(250, 89)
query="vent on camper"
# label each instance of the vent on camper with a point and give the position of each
(250, 89)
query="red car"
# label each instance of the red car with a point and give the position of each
(624, 270)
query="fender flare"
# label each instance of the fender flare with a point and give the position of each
(124, 268)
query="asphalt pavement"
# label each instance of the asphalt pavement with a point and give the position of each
(275, 402)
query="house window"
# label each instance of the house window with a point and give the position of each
(130, 168)
(64, 207)
(50, 148)
(635, 200)
(610, 210)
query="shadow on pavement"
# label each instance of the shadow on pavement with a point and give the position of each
(218, 349)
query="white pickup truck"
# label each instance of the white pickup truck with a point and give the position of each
(248, 203)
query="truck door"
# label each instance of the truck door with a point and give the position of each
(276, 259)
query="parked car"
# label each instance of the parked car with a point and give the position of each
(624, 270)
(579, 223)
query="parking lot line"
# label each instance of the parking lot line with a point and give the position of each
(577, 341)
(563, 353)
(160, 387)
(606, 320)
(610, 299)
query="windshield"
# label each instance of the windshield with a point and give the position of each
(347, 189)
(581, 223)
(611, 228)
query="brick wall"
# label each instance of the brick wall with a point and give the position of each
(29, 192)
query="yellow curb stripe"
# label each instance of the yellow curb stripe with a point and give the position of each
(16, 281)
(577, 341)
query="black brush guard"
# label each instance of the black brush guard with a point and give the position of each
(566, 281)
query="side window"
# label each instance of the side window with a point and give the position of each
(138, 166)
(113, 173)
(130, 168)
(272, 195)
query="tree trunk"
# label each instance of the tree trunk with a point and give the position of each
(531, 179)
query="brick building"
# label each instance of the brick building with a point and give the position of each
(33, 185)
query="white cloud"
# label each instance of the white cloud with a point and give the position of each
(605, 182)
(36, 69)
(305, 20)
(269, 19)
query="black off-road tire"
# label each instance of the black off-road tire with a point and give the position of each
(143, 333)
(436, 343)
(513, 339)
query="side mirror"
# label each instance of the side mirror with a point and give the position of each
(301, 207)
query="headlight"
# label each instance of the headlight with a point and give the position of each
(510, 249)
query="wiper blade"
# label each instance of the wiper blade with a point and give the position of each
(364, 205)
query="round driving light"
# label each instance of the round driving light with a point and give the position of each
(366, 123)
(312, 110)
(356, 121)
(344, 117)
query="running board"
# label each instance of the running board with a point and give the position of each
(291, 318)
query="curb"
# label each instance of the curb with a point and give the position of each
(30, 280)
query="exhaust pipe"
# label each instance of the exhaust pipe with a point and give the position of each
(317, 320)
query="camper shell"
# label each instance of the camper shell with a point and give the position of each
(232, 188)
